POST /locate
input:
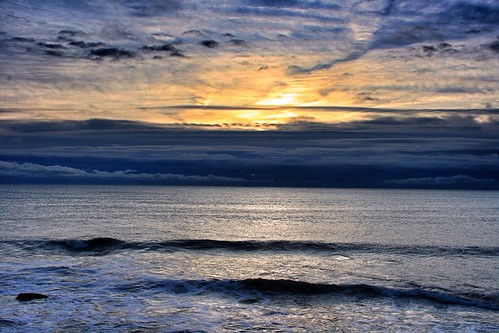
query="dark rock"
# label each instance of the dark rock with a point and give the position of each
(30, 296)
(6, 322)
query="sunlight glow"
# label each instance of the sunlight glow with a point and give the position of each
(279, 100)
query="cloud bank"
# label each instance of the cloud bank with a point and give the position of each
(458, 179)
(382, 154)
(58, 173)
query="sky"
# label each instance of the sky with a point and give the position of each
(353, 93)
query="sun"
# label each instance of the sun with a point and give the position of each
(279, 100)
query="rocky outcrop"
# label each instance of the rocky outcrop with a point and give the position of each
(30, 296)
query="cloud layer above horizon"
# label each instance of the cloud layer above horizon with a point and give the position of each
(376, 93)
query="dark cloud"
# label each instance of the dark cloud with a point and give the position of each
(494, 46)
(59, 172)
(443, 47)
(452, 121)
(75, 125)
(389, 8)
(287, 12)
(153, 7)
(402, 34)
(294, 4)
(23, 39)
(167, 47)
(51, 45)
(475, 12)
(366, 96)
(295, 70)
(342, 155)
(85, 45)
(445, 11)
(405, 23)
(419, 21)
(112, 52)
(177, 53)
(444, 180)
(54, 53)
(237, 42)
(429, 48)
(161, 35)
(331, 109)
(71, 33)
(194, 33)
(209, 43)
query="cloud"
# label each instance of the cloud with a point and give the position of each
(51, 45)
(111, 52)
(193, 33)
(237, 42)
(53, 53)
(94, 124)
(494, 46)
(458, 179)
(23, 39)
(14, 169)
(401, 23)
(166, 47)
(294, 69)
(293, 4)
(474, 12)
(293, 40)
(287, 12)
(209, 43)
(84, 45)
(71, 33)
(153, 7)
(346, 155)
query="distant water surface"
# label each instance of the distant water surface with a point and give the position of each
(220, 259)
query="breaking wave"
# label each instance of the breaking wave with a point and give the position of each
(107, 244)
(270, 287)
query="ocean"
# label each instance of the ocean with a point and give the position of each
(227, 259)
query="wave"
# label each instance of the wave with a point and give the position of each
(270, 287)
(107, 244)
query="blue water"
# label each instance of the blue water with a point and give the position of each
(207, 259)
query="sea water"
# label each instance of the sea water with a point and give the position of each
(224, 259)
